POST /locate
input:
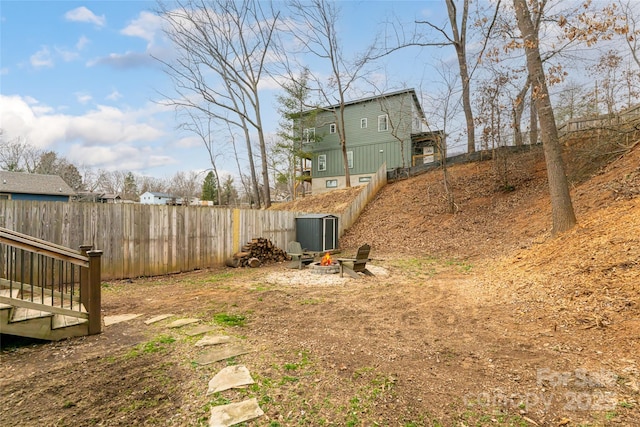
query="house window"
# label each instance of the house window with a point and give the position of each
(308, 135)
(322, 162)
(332, 128)
(363, 123)
(350, 159)
(5, 196)
(364, 179)
(383, 123)
(331, 183)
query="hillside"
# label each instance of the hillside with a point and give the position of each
(586, 278)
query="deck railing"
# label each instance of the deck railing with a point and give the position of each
(39, 273)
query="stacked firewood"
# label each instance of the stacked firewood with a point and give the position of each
(257, 252)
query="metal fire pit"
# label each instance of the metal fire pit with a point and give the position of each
(317, 268)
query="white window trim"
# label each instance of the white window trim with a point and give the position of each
(308, 135)
(383, 118)
(363, 123)
(332, 128)
(322, 162)
(331, 183)
(350, 159)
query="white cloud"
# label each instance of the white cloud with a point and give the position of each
(4, 71)
(42, 58)
(82, 42)
(103, 137)
(146, 27)
(83, 97)
(189, 142)
(82, 14)
(67, 55)
(118, 157)
(124, 61)
(114, 96)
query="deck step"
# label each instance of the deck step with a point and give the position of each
(13, 293)
(62, 321)
(21, 314)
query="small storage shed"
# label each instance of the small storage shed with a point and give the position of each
(317, 232)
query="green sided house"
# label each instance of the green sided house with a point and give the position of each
(388, 129)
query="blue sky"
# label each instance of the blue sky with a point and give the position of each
(79, 78)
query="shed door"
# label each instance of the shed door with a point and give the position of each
(329, 227)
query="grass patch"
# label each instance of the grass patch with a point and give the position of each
(305, 361)
(226, 319)
(154, 346)
(311, 301)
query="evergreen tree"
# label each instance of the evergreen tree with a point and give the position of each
(228, 194)
(296, 117)
(209, 189)
(130, 190)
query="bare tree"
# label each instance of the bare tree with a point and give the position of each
(444, 105)
(151, 184)
(631, 33)
(202, 125)
(16, 155)
(561, 206)
(456, 36)
(320, 38)
(186, 186)
(112, 181)
(616, 84)
(229, 40)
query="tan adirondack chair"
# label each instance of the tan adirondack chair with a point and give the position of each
(298, 257)
(353, 266)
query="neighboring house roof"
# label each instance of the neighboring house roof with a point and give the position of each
(412, 92)
(165, 195)
(31, 183)
(110, 196)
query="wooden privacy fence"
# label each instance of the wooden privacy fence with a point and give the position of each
(150, 240)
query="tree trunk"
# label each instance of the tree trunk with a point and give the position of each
(263, 154)
(517, 114)
(460, 40)
(343, 145)
(561, 205)
(252, 168)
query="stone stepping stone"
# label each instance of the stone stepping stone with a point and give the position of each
(157, 319)
(235, 413)
(213, 340)
(112, 320)
(182, 322)
(221, 354)
(230, 377)
(202, 329)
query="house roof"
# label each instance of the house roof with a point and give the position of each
(411, 92)
(31, 183)
(157, 194)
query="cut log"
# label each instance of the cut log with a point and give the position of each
(254, 262)
(233, 262)
(257, 252)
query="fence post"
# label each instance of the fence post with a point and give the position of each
(95, 298)
(84, 278)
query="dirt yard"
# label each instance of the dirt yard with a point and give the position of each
(477, 318)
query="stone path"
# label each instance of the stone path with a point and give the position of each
(230, 377)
